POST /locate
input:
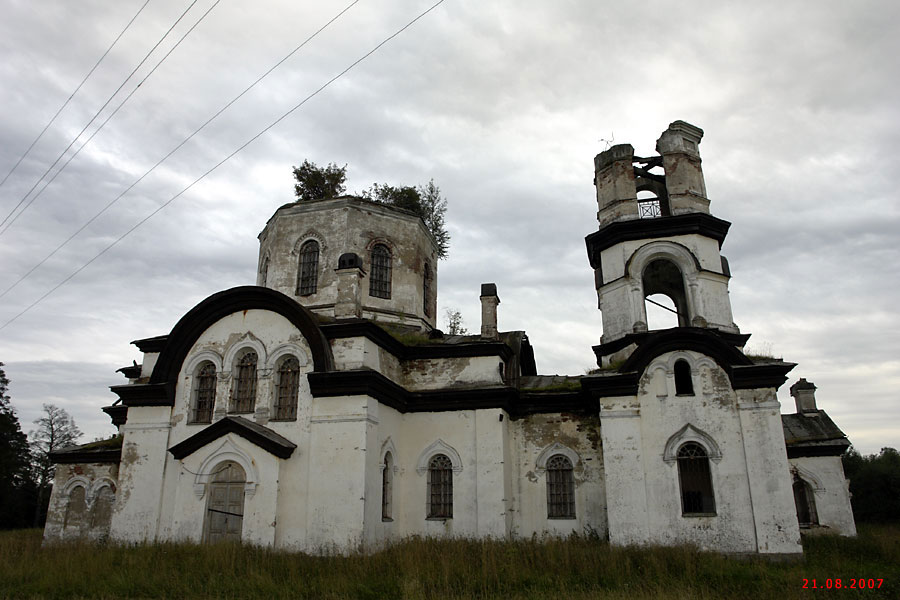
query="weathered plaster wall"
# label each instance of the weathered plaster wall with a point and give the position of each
(825, 476)
(67, 517)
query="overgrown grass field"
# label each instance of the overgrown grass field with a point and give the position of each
(578, 567)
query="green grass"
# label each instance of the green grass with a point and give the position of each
(578, 567)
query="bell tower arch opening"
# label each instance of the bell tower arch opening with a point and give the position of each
(665, 301)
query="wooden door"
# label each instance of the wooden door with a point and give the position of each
(225, 504)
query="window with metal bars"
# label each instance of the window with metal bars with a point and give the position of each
(387, 488)
(426, 289)
(244, 396)
(805, 503)
(380, 273)
(560, 488)
(440, 487)
(204, 393)
(288, 390)
(308, 275)
(695, 479)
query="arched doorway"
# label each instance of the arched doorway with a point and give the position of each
(225, 504)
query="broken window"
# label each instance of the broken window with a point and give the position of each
(696, 481)
(380, 277)
(684, 383)
(560, 488)
(308, 276)
(387, 487)
(204, 393)
(244, 397)
(288, 389)
(805, 502)
(440, 487)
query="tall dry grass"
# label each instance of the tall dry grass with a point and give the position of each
(578, 567)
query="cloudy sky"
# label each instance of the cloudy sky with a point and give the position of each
(504, 104)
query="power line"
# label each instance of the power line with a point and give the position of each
(186, 140)
(105, 104)
(110, 116)
(72, 95)
(223, 161)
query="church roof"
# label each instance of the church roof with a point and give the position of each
(258, 434)
(813, 434)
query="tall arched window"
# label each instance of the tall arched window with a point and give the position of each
(308, 275)
(440, 487)
(244, 397)
(696, 481)
(288, 389)
(684, 383)
(805, 502)
(426, 289)
(75, 508)
(204, 393)
(387, 488)
(264, 272)
(380, 276)
(662, 277)
(560, 488)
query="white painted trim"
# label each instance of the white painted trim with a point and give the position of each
(551, 451)
(286, 349)
(193, 363)
(226, 451)
(689, 433)
(247, 341)
(438, 447)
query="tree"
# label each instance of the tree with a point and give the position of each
(318, 183)
(424, 201)
(454, 322)
(874, 485)
(16, 485)
(56, 430)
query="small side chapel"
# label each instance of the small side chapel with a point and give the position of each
(321, 409)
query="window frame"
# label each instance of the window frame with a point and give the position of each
(308, 268)
(560, 479)
(243, 396)
(387, 487)
(440, 488)
(695, 481)
(380, 271)
(684, 378)
(287, 393)
(807, 494)
(199, 392)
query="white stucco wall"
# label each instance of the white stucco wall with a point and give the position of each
(825, 476)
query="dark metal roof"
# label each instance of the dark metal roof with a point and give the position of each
(262, 436)
(813, 434)
(104, 451)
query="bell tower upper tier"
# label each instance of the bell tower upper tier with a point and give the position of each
(657, 236)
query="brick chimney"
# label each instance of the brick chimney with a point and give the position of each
(489, 302)
(804, 393)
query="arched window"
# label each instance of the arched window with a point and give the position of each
(380, 276)
(244, 397)
(440, 487)
(560, 488)
(308, 275)
(288, 389)
(805, 502)
(426, 289)
(387, 488)
(684, 383)
(663, 280)
(696, 481)
(264, 272)
(204, 393)
(101, 511)
(75, 508)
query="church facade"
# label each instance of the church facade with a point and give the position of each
(322, 410)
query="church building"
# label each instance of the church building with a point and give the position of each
(321, 409)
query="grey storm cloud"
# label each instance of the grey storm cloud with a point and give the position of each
(504, 105)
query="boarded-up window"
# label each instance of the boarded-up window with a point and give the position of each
(225, 504)
(101, 511)
(387, 487)
(696, 481)
(380, 278)
(204, 393)
(560, 488)
(440, 487)
(308, 277)
(806, 504)
(75, 508)
(245, 384)
(288, 389)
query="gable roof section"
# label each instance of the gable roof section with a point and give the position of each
(257, 434)
(812, 434)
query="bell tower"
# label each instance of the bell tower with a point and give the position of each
(656, 236)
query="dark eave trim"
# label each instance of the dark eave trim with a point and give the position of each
(261, 436)
(106, 456)
(532, 403)
(835, 448)
(117, 413)
(639, 229)
(367, 329)
(151, 344)
(131, 371)
(144, 394)
(608, 386)
(761, 375)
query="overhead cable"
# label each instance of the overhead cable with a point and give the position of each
(105, 104)
(221, 162)
(174, 150)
